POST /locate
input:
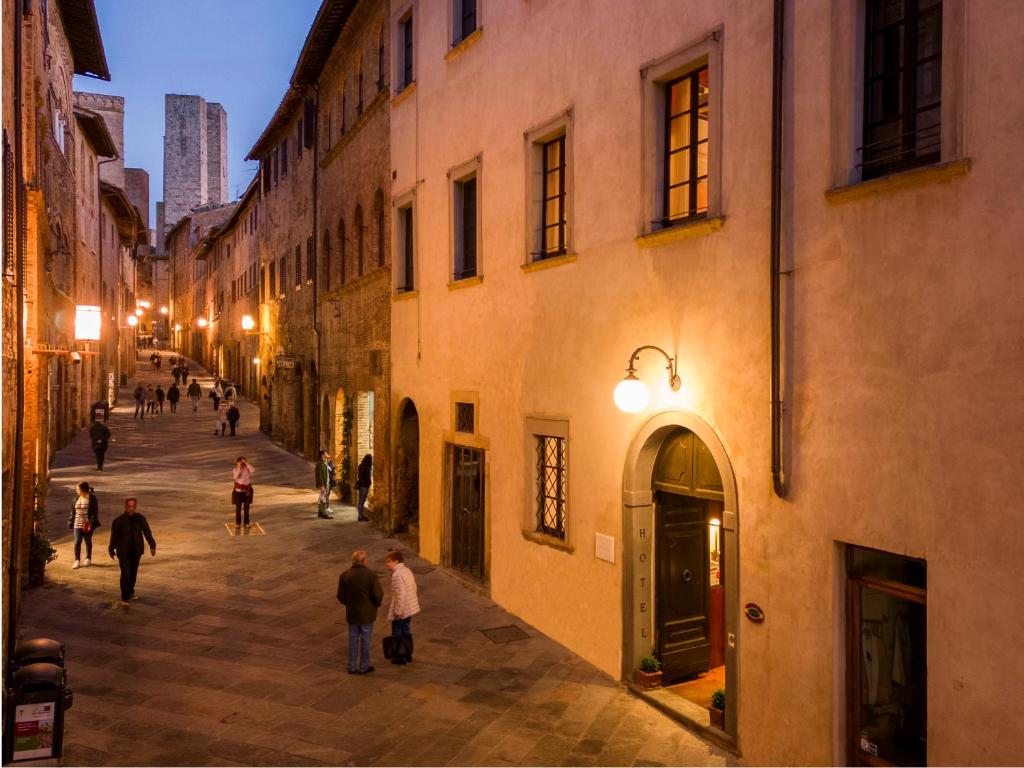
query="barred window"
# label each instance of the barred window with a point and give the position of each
(9, 234)
(465, 418)
(298, 265)
(310, 257)
(551, 481)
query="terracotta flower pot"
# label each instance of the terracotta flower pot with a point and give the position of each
(648, 680)
(717, 717)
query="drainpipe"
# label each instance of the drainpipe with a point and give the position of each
(779, 482)
(99, 226)
(316, 259)
(13, 585)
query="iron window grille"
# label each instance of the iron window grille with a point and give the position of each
(8, 220)
(553, 209)
(902, 85)
(310, 258)
(465, 418)
(298, 265)
(685, 189)
(465, 255)
(551, 482)
(282, 280)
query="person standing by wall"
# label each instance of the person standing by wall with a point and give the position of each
(129, 534)
(241, 492)
(83, 520)
(173, 396)
(140, 401)
(99, 437)
(364, 478)
(323, 486)
(404, 605)
(360, 592)
(194, 393)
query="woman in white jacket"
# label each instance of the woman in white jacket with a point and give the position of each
(404, 605)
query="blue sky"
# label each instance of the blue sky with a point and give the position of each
(239, 53)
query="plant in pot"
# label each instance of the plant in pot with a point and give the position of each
(40, 554)
(717, 709)
(648, 676)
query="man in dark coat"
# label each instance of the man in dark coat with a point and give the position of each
(359, 590)
(173, 396)
(99, 436)
(140, 401)
(129, 533)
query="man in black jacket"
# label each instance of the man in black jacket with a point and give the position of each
(127, 534)
(359, 590)
(99, 436)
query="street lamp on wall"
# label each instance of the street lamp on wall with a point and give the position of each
(631, 395)
(163, 311)
(87, 323)
(201, 322)
(248, 323)
(138, 313)
(133, 321)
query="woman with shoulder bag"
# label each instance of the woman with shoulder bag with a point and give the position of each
(83, 520)
(241, 492)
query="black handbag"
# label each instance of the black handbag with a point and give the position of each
(397, 648)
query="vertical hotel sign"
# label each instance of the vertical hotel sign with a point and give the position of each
(33, 730)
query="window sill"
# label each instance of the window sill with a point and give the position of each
(465, 282)
(403, 94)
(548, 263)
(927, 174)
(405, 295)
(463, 44)
(548, 541)
(695, 228)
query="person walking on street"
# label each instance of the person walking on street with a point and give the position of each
(222, 419)
(150, 400)
(140, 401)
(173, 396)
(241, 492)
(184, 371)
(229, 392)
(323, 486)
(364, 478)
(160, 396)
(99, 437)
(360, 592)
(233, 415)
(194, 393)
(176, 371)
(129, 534)
(83, 520)
(216, 393)
(404, 605)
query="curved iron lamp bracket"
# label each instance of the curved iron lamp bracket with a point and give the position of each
(673, 374)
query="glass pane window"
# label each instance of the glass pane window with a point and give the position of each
(551, 485)
(686, 147)
(553, 208)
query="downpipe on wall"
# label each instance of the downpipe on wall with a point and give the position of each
(779, 482)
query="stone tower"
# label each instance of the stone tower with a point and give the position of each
(195, 158)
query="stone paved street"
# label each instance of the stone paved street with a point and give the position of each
(233, 653)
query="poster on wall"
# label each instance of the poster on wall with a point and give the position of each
(33, 730)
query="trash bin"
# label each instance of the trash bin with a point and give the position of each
(101, 411)
(34, 713)
(40, 650)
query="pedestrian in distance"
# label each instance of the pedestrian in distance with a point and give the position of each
(331, 484)
(99, 437)
(222, 419)
(159, 360)
(323, 486)
(129, 534)
(364, 478)
(241, 491)
(173, 396)
(233, 416)
(359, 590)
(184, 371)
(176, 373)
(150, 400)
(140, 401)
(229, 392)
(194, 392)
(216, 393)
(404, 605)
(160, 397)
(83, 520)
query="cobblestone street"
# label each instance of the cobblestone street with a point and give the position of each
(233, 653)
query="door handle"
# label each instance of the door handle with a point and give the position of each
(687, 575)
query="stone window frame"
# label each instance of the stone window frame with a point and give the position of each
(406, 201)
(534, 139)
(654, 75)
(846, 108)
(471, 169)
(533, 428)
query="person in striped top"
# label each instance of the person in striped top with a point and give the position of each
(404, 605)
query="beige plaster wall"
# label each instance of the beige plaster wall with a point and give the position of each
(903, 346)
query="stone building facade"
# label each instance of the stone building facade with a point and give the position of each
(826, 487)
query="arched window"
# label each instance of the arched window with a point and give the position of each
(341, 249)
(378, 210)
(359, 85)
(380, 58)
(326, 259)
(358, 223)
(344, 103)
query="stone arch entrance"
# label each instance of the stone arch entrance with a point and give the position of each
(639, 544)
(407, 469)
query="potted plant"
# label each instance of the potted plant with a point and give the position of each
(717, 709)
(40, 554)
(648, 676)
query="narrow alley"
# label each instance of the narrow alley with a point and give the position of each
(233, 653)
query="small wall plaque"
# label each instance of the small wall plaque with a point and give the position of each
(604, 547)
(753, 612)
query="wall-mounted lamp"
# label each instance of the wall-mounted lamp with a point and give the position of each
(255, 361)
(138, 313)
(201, 322)
(87, 323)
(144, 304)
(248, 323)
(177, 327)
(133, 321)
(631, 394)
(163, 310)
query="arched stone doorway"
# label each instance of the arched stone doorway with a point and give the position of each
(658, 453)
(407, 470)
(340, 448)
